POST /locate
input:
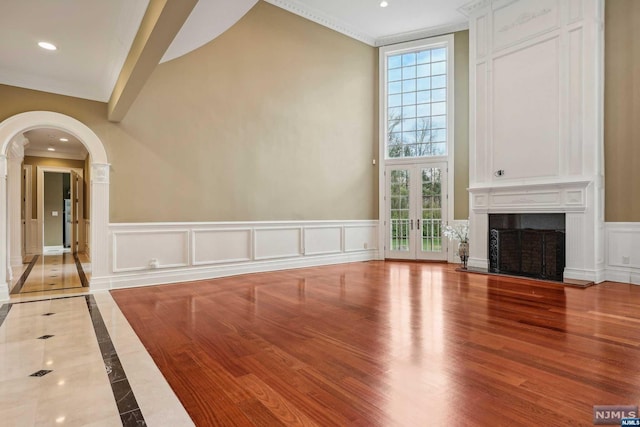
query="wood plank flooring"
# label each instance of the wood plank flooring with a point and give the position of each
(390, 344)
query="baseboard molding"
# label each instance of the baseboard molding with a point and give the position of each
(631, 276)
(596, 276)
(478, 263)
(167, 276)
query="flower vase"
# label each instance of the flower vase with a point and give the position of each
(463, 253)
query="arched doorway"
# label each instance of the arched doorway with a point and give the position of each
(99, 210)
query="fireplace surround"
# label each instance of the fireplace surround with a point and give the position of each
(536, 123)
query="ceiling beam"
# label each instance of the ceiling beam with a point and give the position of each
(160, 24)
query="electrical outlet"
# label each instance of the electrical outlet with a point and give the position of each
(625, 260)
(153, 263)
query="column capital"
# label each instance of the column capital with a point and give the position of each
(16, 147)
(100, 173)
(3, 166)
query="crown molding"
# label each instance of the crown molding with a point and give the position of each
(54, 154)
(422, 34)
(470, 8)
(323, 19)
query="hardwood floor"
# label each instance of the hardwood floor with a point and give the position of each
(390, 343)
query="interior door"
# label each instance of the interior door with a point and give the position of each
(416, 208)
(76, 212)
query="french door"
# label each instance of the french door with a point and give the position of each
(416, 208)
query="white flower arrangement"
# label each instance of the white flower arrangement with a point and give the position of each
(459, 232)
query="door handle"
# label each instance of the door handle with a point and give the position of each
(418, 223)
(411, 221)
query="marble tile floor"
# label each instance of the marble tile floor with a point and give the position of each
(75, 361)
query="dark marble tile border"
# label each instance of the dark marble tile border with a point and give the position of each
(45, 298)
(20, 283)
(128, 408)
(4, 311)
(83, 277)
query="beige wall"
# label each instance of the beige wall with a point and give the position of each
(281, 129)
(622, 111)
(461, 130)
(47, 161)
(53, 201)
(273, 120)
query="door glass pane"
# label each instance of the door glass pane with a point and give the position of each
(431, 210)
(399, 219)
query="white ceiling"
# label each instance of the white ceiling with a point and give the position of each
(40, 140)
(366, 21)
(94, 36)
(93, 39)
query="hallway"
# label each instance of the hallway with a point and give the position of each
(71, 358)
(56, 272)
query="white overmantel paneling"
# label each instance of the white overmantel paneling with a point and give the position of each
(536, 121)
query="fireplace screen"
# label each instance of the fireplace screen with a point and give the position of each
(527, 252)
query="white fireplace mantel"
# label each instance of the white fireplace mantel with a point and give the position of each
(559, 196)
(536, 121)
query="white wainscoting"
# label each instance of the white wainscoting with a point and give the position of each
(155, 253)
(622, 246)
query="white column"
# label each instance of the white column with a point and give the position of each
(4, 268)
(14, 198)
(100, 249)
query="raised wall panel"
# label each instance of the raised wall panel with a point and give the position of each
(481, 147)
(623, 252)
(481, 39)
(134, 251)
(575, 11)
(221, 245)
(519, 21)
(526, 121)
(576, 102)
(624, 247)
(322, 240)
(277, 242)
(358, 238)
(530, 200)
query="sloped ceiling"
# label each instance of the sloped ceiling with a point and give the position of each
(95, 36)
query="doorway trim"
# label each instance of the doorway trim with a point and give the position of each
(99, 204)
(40, 197)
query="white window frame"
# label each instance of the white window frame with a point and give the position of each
(384, 53)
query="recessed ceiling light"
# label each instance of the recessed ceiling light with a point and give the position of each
(47, 45)
(64, 139)
(384, 3)
(51, 149)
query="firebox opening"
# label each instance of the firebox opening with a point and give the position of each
(530, 245)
